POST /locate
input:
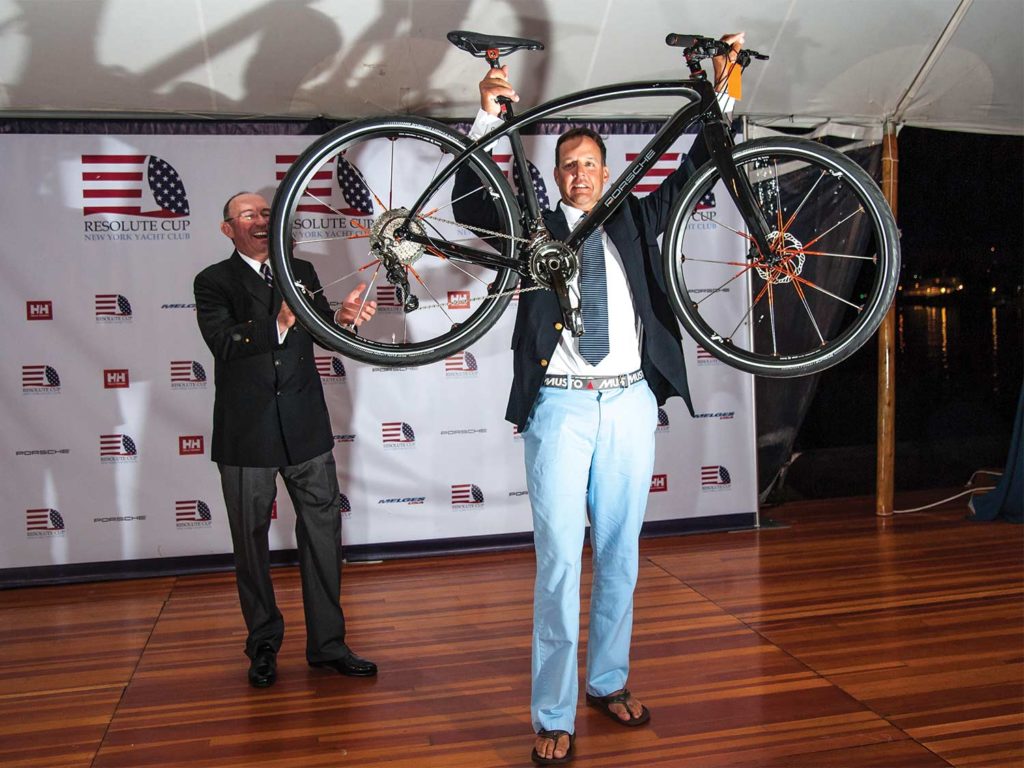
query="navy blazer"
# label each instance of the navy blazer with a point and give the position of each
(269, 408)
(634, 229)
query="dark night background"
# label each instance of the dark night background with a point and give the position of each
(958, 360)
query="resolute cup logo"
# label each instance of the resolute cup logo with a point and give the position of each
(117, 448)
(345, 507)
(336, 201)
(461, 365)
(43, 522)
(504, 162)
(397, 434)
(706, 358)
(331, 369)
(113, 308)
(467, 495)
(387, 299)
(192, 513)
(133, 197)
(714, 477)
(663, 424)
(39, 380)
(187, 374)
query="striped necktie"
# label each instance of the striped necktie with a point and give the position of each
(594, 301)
(268, 277)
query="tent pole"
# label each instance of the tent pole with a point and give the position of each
(885, 468)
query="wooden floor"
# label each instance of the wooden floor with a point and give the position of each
(833, 640)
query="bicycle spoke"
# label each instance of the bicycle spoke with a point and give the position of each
(430, 293)
(810, 314)
(807, 197)
(834, 226)
(771, 316)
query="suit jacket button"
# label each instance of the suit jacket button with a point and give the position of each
(558, 326)
(277, 362)
(544, 363)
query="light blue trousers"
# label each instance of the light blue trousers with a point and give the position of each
(585, 451)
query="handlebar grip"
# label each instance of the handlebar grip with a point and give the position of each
(679, 40)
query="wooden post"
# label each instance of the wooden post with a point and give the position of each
(885, 468)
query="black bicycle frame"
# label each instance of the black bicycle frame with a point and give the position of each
(702, 105)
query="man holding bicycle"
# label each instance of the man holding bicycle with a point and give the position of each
(587, 408)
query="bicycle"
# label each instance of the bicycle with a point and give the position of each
(812, 224)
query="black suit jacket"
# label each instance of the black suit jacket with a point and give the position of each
(634, 229)
(269, 408)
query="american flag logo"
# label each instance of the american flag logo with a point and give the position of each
(704, 357)
(345, 507)
(112, 305)
(329, 366)
(714, 475)
(128, 184)
(467, 493)
(661, 169)
(39, 376)
(319, 195)
(191, 511)
(117, 445)
(387, 296)
(504, 162)
(397, 432)
(43, 520)
(188, 371)
(461, 362)
(662, 419)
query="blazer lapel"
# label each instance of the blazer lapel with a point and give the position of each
(252, 282)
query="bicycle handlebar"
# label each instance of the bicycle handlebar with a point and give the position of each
(698, 47)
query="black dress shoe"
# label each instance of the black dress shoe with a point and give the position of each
(350, 665)
(263, 667)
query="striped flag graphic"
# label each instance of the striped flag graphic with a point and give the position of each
(135, 185)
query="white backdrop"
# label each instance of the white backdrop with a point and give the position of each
(108, 392)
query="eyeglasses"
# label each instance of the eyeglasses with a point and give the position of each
(250, 216)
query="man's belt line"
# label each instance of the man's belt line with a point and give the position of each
(593, 382)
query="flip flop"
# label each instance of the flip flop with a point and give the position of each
(554, 736)
(603, 703)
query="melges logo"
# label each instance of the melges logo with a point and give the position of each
(43, 522)
(112, 308)
(187, 374)
(39, 380)
(397, 434)
(461, 365)
(39, 310)
(409, 500)
(714, 477)
(458, 300)
(190, 445)
(115, 378)
(717, 415)
(339, 439)
(330, 368)
(663, 424)
(659, 483)
(192, 513)
(133, 197)
(467, 495)
(337, 200)
(117, 448)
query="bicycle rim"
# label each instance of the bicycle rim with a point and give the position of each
(341, 206)
(827, 283)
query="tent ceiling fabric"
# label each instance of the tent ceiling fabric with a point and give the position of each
(850, 61)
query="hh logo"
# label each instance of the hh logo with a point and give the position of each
(337, 188)
(659, 483)
(273, 510)
(39, 310)
(115, 378)
(190, 445)
(132, 185)
(458, 299)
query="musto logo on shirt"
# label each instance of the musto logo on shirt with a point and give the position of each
(132, 198)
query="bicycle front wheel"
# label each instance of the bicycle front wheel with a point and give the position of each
(827, 282)
(342, 205)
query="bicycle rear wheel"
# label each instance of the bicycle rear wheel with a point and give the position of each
(827, 283)
(341, 206)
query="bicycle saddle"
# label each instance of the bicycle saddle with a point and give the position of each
(478, 44)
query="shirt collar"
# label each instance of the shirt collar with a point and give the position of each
(250, 261)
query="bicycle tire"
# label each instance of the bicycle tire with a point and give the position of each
(352, 186)
(833, 236)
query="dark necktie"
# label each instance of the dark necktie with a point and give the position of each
(267, 276)
(594, 301)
